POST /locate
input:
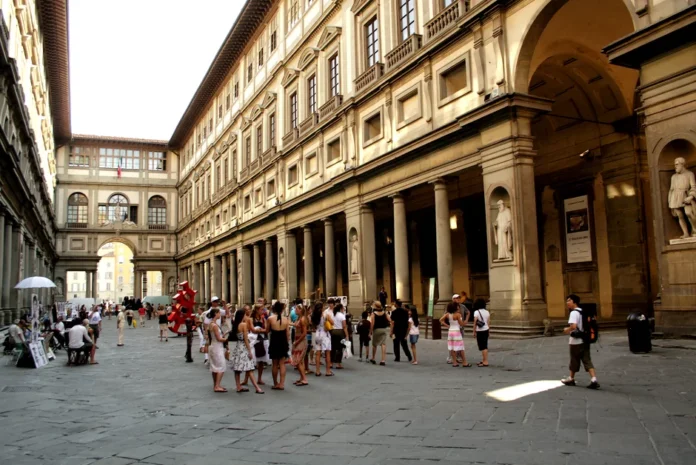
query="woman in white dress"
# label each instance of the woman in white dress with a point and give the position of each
(323, 322)
(217, 361)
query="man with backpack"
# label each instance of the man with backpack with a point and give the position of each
(580, 338)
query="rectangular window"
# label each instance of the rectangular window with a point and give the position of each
(270, 188)
(293, 13)
(247, 203)
(236, 90)
(79, 157)
(109, 275)
(334, 76)
(454, 81)
(312, 94)
(292, 175)
(220, 111)
(134, 214)
(271, 130)
(250, 72)
(218, 179)
(372, 127)
(311, 165)
(274, 40)
(259, 197)
(293, 110)
(217, 221)
(261, 57)
(115, 158)
(157, 161)
(372, 42)
(224, 216)
(225, 166)
(259, 140)
(247, 151)
(120, 280)
(407, 14)
(227, 102)
(446, 3)
(74, 276)
(207, 187)
(210, 125)
(333, 150)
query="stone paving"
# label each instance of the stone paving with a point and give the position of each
(143, 404)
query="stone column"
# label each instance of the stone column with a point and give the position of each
(234, 294)
(247, 296)
(95, 284)
(206, 280)
(443, 244)
(201, 283)
(270, 265)
(508, 176)
(368, 253)
(287, 265)
(308, 264)
(225, 294)
(17, 268)
(8, 259)
(138, 288)
(258, 284)
(88, 277)
(401, 263)
(330, 257)
(217, 276)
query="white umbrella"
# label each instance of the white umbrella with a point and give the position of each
(35, 282)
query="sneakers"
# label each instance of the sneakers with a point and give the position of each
(593, 385)
(568, 381)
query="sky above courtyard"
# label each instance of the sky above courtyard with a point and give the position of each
(135, 64)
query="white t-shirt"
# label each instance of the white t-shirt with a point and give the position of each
(575, 317)
(95, 318)
(16, 333)
(78, 334)
(59, 326)
(414, 329)
(483, 315)
(339, 320)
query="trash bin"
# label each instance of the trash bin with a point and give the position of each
(437, 328)
(639, 335)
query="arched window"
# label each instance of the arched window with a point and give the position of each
(117, 208)
(157, 211)
(77, 209)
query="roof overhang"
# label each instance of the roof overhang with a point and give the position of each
(245, 26)
(654, 40)
(53, 18)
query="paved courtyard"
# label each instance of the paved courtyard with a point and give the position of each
(143, 404)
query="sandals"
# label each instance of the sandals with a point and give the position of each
(480, 364)
(223, 390)
(242, 390)
(317, 374)
(260, 392)
(372, 361)
(298, 384)
(329, 374)
(468, 365)
(277, 388)
(383, 363)
(455, 366)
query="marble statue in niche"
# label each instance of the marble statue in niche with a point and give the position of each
(502, 232)
(682, 198)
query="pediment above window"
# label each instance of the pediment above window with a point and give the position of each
(359, 5)
(329, 35)
(268, 99)
(256, 111)
(246, 122)
(308, 56)
(289, 76)
(232, 139)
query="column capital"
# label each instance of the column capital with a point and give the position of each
(327, 220)
(268, 240)
(367, 208)
(306, 228)
(397, 197)
(439, 183)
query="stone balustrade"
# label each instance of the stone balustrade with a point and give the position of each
(445, 19)
(369, 77)
(403, 51)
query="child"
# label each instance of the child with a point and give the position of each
(364, 332)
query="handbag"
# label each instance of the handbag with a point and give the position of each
(259, 349)
(480, 323)
(327, 324)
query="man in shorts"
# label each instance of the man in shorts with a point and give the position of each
(579, 347)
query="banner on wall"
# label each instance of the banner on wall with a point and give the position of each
(577, 229)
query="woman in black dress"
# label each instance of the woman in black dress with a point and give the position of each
(279, 329)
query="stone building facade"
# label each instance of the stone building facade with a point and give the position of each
(116, 190)
(504, 148)
(30, 122)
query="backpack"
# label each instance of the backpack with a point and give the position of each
(590, 327)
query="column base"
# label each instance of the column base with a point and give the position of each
(675, 323)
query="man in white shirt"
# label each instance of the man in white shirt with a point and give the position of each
(16, 333)
(79, 337)
(579, 347)
(59, 330)
(121, 326)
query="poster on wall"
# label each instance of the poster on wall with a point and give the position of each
(577, 229)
